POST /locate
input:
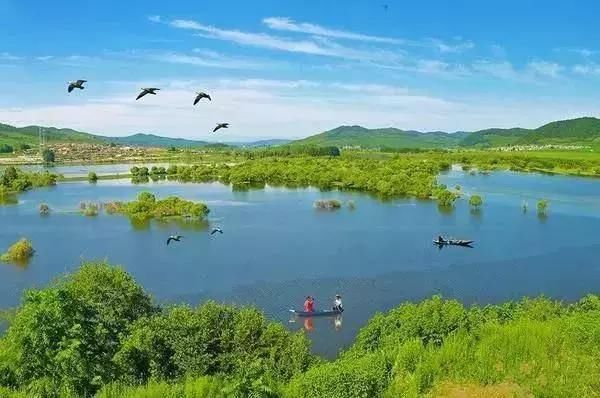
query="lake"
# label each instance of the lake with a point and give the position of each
(276, 248)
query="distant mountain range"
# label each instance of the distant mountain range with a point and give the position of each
(581, 131)
(29, 135)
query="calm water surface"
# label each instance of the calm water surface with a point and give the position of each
(277, 249)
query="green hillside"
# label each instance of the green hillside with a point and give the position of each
(493, 137)
(151, 140)
(15, 136)
(585, 130)
(582, 131)
(377, 138)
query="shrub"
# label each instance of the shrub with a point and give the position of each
(362, 377)
(351, 205)
(92, 177)
(445, 198)
(44, 209)
(89, 209)
(20, 251)
(542, 207)
(475, 201)
(331, 204)
(5, 148)
(48, 155)
(64, 337)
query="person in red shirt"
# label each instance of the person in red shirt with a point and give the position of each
(309, 304)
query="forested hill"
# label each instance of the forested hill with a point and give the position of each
(581, 131)
(151, 140)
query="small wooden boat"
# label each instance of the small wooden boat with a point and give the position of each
(453, 242)
(316, 313)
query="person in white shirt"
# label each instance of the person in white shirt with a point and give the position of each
(337, 303)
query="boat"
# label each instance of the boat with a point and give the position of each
(453, 242)
(316, 313)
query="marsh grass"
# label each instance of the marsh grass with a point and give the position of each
(331, 204)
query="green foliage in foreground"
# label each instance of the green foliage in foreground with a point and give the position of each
(148, 207)
(20, 252)
(97, 332)
(13, 180)
(97, 328)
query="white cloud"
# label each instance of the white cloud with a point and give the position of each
(502, 70)
(4, 56)
(547, 69)
(289, 25)
(261, 108)
(155, 18)
(210, 60)
(586, 69)
(457, 47)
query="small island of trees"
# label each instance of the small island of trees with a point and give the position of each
(13, 180)
(147, 207)
(19, 253)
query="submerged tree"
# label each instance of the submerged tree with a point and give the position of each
(20, 252)
(44, 209)
(542, 207)
(475, 201)
(92, 177)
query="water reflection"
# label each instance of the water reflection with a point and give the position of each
(308, 323)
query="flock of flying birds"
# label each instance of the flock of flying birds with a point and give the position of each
(151, 90)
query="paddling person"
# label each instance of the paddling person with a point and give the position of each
(309, 304)
(337, 303)
(440, 239)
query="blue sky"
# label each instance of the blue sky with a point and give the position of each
(286, 69)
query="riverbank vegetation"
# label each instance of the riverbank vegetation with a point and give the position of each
(13, 180)
(19, 252)
(147, 207)
(98, 332)
(394, 177)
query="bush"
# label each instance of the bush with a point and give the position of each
(5, 148)
(542, 207)
(89, 209)
(44, 209)
(360, 377)
(475, 201)
(92, 177)
(331, 204)
(445, 198)
(20, 252)
(147, 207)
(64, 337)
(48, 155)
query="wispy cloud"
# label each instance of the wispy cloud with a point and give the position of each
(208, 59)
(587, 69)
(452, 47)
(313, 46)
(289, 25)
(4, 56)
(544, 68)
(502, 70)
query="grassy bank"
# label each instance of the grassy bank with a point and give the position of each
(98, 332)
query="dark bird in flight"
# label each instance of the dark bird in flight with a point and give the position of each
(200, 96)
(176, 238)
(221, 126)
(215, 230)
(76, 84)
(149, 90)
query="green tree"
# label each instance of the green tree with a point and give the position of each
(48, 155)
(5, 148)
(475, 201)
(92, 177)
(64, 337)
(542, 207)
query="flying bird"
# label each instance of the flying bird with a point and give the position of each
(200, 96)
(176, 238)
(215, 230)
(76, 84)
(150, 90)
(221, 126)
